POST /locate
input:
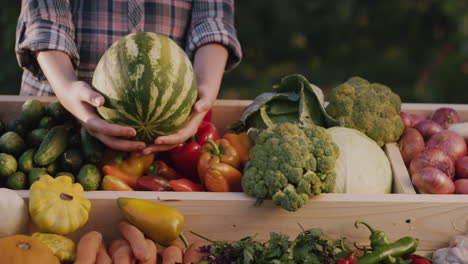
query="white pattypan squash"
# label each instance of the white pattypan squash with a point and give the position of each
(14, 215)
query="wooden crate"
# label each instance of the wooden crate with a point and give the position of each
(434, 219)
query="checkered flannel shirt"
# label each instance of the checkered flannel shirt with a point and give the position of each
(84, 29)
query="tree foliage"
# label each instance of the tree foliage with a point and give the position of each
(418, 48)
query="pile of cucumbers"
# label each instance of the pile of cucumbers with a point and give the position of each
(47, 140)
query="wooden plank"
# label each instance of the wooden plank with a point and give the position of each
(401, 179)
(10, 105)
(430, 218)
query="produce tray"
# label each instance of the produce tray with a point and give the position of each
(434, 219)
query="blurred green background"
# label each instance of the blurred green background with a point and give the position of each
(418, 48)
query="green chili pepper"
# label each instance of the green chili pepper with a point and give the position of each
(403, 246)
(377, 238)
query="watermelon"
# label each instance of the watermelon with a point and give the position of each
(148, 83)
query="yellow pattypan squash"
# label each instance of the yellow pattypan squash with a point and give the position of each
(57, 205)
(62, 247)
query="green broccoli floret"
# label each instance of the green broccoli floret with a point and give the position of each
(370, 108)
(289, 164)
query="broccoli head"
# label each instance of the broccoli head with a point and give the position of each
(289, 164)
(371, 108)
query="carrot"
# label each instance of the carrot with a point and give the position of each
(172, 255)
(178, 243)
(154, 253)
(137, 241)
(121, 252)
(88, 248)
(193, 253)
(129, 179)
(102, 256)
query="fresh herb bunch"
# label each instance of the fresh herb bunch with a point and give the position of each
(310, 247)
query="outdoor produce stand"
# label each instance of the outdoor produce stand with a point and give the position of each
(433, 219)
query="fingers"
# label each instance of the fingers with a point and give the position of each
(91, 97)
(203, 105)
(97, 125)
(184, 133)
(157, 148)
(120, 144)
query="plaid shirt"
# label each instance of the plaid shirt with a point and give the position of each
(84, 29)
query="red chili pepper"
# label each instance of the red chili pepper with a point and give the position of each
(185, 156)
(343, 261)
(415, 259)
(147, 183)
(185, 185)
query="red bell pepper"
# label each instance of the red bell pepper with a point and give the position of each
(208, 116)
(185, 156)
(185, 185)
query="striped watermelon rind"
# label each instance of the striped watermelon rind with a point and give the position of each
(148, 83)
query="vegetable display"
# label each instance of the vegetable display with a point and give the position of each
(148, 83)
(289, 164)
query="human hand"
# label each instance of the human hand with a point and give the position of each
(80, 101)
(201, 107)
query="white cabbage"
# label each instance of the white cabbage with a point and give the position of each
(362, 166)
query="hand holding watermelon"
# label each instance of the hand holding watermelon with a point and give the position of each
(209, 64)
(78, 98)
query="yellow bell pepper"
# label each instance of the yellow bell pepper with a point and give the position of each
(62, 247)
(161, 223)
(137, 164)
(57, 205)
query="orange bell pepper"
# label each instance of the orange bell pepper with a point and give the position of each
(242, 143)
(137, 164)
(127, 178)
(218, 167)
(111, 183)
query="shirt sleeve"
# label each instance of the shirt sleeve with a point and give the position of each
(213, 22)
(44, 25)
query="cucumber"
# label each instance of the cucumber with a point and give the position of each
(65, 174)
(53, 145)
(16, 181)
(35, 137)
(58, 112)
(8, 165)
(12, 143)
(71, 160)
(35, 174)
(89, 177)
(18, 126)
(32, 112)
(47, 122)
(26, 161)
(91, 147)
(52, 168)
(74, 140)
